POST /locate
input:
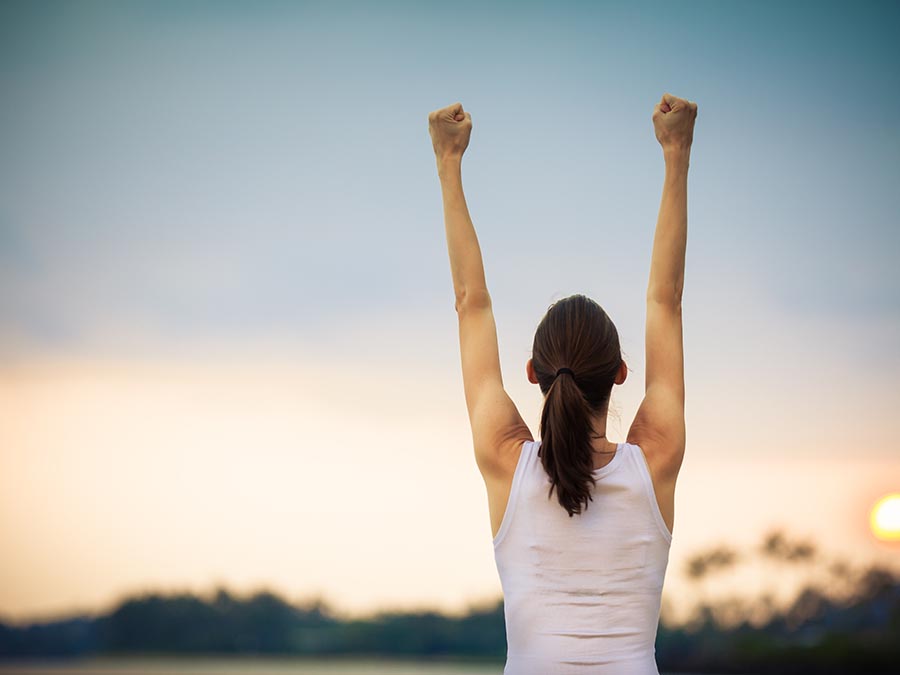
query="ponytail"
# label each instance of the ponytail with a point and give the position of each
(575, 358)
(565, 433)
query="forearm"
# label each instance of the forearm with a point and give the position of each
(670, 240)
(466, 266)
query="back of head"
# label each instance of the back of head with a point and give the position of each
(575, 333)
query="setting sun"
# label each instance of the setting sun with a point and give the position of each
(885, 518)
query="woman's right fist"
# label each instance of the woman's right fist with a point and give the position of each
(673, 121)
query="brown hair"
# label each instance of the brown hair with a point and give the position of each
(575, 333)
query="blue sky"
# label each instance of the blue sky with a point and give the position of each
(179, 173)
(255, 181)
(234, 168)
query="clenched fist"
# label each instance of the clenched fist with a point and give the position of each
(450, 128)
(673, 121)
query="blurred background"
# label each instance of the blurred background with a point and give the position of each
(229, 361)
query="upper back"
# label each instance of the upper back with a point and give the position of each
(588, 584)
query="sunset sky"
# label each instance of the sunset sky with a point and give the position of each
(228, 348)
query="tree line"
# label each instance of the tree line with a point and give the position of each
(846, 620)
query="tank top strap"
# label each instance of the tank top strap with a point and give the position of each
(526, 467)
(642, 468)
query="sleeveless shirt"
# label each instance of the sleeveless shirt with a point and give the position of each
(582, 594)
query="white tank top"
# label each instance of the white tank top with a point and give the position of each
(582, 594)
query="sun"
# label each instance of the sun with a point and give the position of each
(885, 518)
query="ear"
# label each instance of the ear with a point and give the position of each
(529, 370)
(622, 374)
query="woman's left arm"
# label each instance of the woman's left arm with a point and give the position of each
(497, 426)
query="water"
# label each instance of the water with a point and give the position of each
(240, 666)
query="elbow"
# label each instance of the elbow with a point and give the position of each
(668, 294)
(471, 298)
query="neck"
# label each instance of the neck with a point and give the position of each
(599, 442)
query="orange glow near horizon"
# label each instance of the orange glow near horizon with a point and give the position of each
(121, 475)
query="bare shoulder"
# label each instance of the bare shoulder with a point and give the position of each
(658, 428)
(510, 453)
(663, 458)
(504, 459)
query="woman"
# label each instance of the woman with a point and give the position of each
(582, 573)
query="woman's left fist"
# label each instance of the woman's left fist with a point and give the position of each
(450, 128)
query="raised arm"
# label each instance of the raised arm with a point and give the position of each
(497, 427)
(450, 129)
(659, 424)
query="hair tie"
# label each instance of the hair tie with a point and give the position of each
(564, 370)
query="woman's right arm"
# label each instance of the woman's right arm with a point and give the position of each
(659, 425)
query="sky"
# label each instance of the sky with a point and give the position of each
(228, 349)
